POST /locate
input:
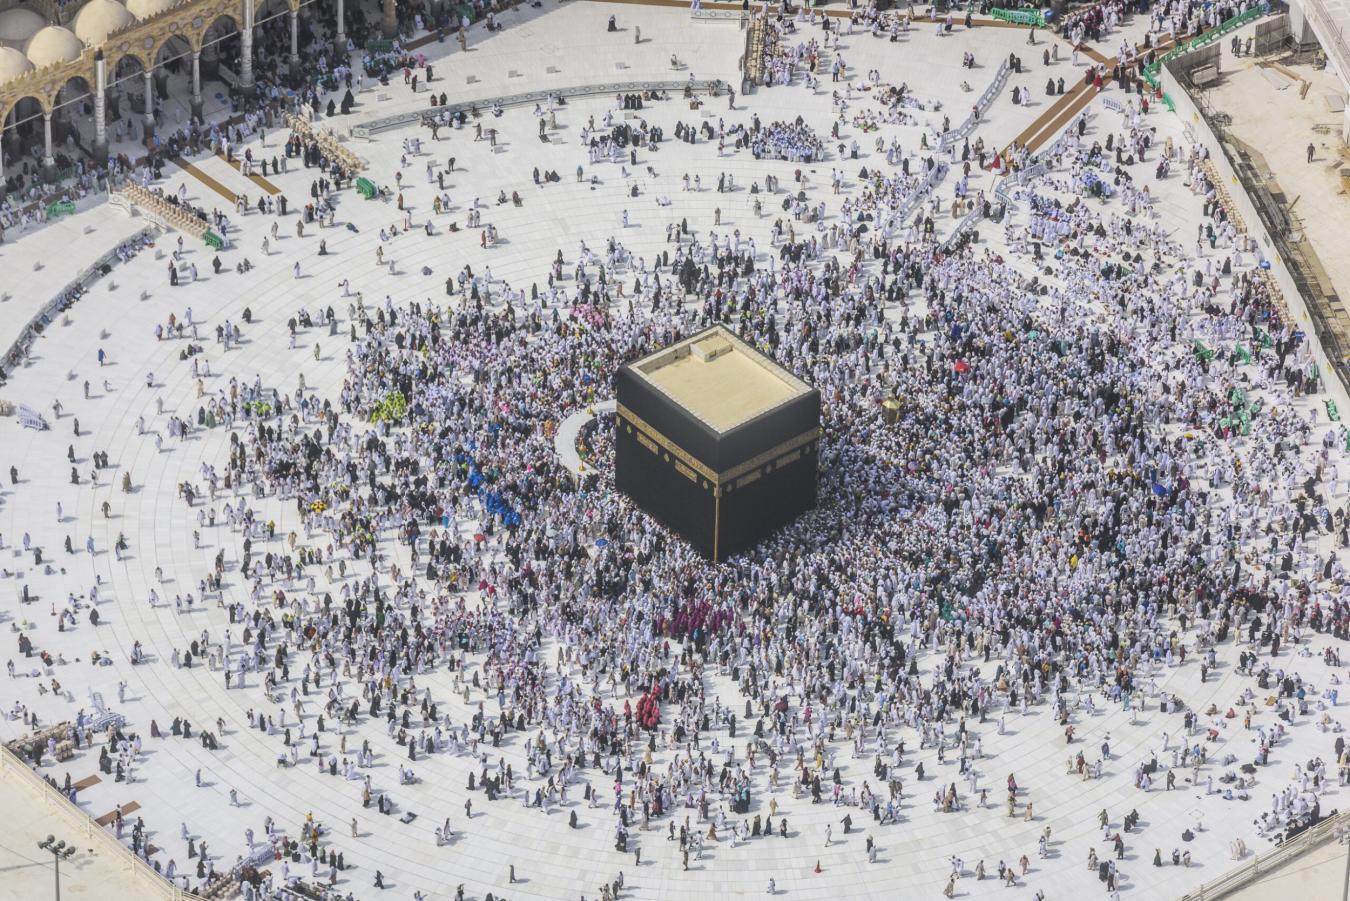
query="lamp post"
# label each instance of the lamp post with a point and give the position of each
(59, 850)
(1342, 835)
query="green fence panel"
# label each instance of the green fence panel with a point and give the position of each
(1019, 16)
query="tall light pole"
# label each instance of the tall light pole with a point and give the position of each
(59, 850)
(1343, 837)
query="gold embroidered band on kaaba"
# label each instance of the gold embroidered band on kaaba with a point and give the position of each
(790, 451)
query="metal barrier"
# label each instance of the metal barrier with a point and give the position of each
(1261, 864)
(718, 15)
(1203, 40)
(55, 804)
(1017, 179)
(1032, 17)
(968, 221)
(624, 87)
(962, 131)
(916, 197)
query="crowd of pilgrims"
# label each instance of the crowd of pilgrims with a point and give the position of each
(1070, 503)
(1065, 503)
(793, 141)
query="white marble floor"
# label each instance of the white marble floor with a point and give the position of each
(147, 380)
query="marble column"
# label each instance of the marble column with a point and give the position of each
(100, 107)
(48, 158)
(196, 84)
(246, 53)
(340, 42)
(149, 75)
(295, 40)
(390, 18)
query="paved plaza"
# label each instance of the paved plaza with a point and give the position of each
(1059, 634)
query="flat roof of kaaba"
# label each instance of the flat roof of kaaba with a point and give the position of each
(719, 379)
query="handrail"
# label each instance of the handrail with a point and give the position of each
(15, 770)
(1263, 863)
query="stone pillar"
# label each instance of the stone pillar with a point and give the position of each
(100, 108)
(340, 42)
(149, 75)
(48, 158)
(295, 38)
(197, 84)
(246, 54)
(390, 19)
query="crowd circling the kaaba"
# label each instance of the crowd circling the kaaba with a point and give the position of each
(1101, 463)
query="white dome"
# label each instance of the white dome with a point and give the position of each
(53, 44)
(99, 18)
(12, 64)
(18, 25)
(144, 9)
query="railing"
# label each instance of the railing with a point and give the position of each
(968, 221)
(1032, 17)
(916, 197)
(1332, 38)
(1274, 859)
(1226, 27)
(717, 15)
(962, 131)
(1017, 179)
(56, 805)
(367, 129)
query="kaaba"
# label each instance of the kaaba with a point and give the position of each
(716, 441)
